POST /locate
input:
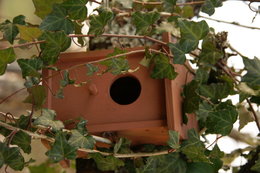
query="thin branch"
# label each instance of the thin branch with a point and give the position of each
(49, 139)
(103, 35)
(234, 50)
(231, 23)
(8, 97)
(160, 3)
(95, 2)
(254, 113)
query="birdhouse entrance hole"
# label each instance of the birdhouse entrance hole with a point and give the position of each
(125, 90)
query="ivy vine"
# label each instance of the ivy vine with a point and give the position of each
(206, 95)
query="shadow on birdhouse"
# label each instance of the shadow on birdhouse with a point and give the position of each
(133, 104)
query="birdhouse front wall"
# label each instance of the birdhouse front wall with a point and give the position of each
(94, 101)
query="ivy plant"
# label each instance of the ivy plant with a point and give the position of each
(206, 95)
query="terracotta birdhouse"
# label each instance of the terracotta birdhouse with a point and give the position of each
(133, 104)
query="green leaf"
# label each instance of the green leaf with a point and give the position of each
(43, 168)
(91, 69)
(202, 76)
(178, 53)
(222, 119)
(244, 116)
(216, 91)
(169, 5)
(50, 55)
(58, 40)
(98, 22)
(30, 67)
(81, 141)
(174, 140)
(47, 119)
(122, 146)
(256, 166)
(43, 8)
(29, 33)
(200, 167)
(11, 157)
(23, 140)
(116, 65)
(210, 5)
(57, 21)
(77, 9)
(23, 122)
(81, 127)
(210, 53)
(163, 68)
(191, 98)
(203, 112)
(191, 33)
(10, 31)
(66, 79)
(216, 152)
(144, 21)
(252, 77)
(37, 96)
(164, 164)
(109, 163)
(7, 56)
(193, 148)
(61, 149)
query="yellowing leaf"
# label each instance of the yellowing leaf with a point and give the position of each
(29, 33)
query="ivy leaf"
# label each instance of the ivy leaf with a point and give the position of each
(37, 96)
(210, 5)
(178, 53)
(7, 56)
(43, 8)
(81, 127)
(222, 119)
(216, 152)
(210, 54)
(29, 33)
(43, 168)
(163, 68)
(80, 141)
(216, 91)
(169, 5)
(252, 77)
(50, 55)
(30, 67)
(47, 119)
(193, 148)
(57, 21)
(202, 76)
(66, 79)
(164, 164)
(244, 116)
(256, 166)
(203, 112)
(77, 9)
(174, 140)
(144, 21)
(61, 150)
(58, 40)
(116, 65)
(200, 167)
(109, 163)
(122, 146)
(10, 30)
(23, 121)
(191, 33)
(191, 98)
(11, 157)
(98, 22)
(91, 69)
(23, 140)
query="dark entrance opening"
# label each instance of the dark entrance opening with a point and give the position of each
(125, 90)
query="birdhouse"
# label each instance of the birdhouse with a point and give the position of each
(133, 105)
